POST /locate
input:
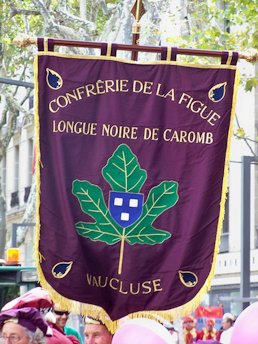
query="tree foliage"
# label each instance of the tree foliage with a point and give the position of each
(227, 24)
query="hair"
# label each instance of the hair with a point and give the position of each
(230, 321)
(36, 337)
(228, 317)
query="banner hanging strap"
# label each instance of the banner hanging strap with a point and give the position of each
(169, 53)
(229, 58)
(45, 44)
(234, 58)
(108, 49)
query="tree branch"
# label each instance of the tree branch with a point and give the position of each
(245, 138)
(16, 11)
(69, 18)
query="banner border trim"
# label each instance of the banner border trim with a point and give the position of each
(151, 62)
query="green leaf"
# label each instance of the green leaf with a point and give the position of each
(148, 235)
(251, 83)
(96, 232)
(123, 171)
(91, 200)
(160, 198)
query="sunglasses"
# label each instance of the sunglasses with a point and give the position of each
(61, 313)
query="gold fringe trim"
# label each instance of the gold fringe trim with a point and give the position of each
(96, 311)
(38, 256)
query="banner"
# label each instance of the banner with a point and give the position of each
(204, 313)
(131, 181)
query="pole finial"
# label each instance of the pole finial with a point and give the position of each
(24, 41)
(138, 10)
(250, 55)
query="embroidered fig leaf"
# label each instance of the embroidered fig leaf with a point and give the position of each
(148, 235)
(123, 171)
(98, 232)
(160, 198)
(92, 203)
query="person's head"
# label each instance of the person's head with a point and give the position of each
(210, 324)
(188, 322)
(13, 333)
(61, 316)
(227, 321)
(96, 332)
(23, 326)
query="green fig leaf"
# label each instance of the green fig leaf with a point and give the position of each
(160, 198)
(148, 235)
(97, 233)
(123, 172)
(92, 203)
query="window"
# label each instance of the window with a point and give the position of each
(16, 167)
(3, 175)
(15, 193)
(30, 161)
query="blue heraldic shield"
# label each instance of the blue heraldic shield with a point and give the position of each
(125, 207)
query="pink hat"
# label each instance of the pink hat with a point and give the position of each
(36, 297)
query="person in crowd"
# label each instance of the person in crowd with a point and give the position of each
(61, 317)
(227, 324)
(174, 334)
(59, 337)
(190, 333)
(23, 326)
(208, 332)
(96, 332)
(39, 298)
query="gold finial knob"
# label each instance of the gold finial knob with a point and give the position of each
(250, 55)
(24, 41)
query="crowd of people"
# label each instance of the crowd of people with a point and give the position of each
(209, 332)
(29, 320)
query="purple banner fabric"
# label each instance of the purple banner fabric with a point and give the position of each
(131, 180)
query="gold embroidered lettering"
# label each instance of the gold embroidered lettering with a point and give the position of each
(104, 284)
(146, 285)
(156, 285)
(51, 107)
(131, 289)
(111, 283)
